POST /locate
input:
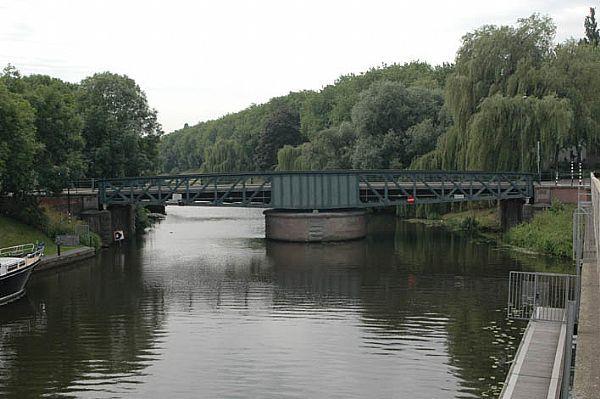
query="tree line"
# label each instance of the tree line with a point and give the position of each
(53, 132)
(510, 91)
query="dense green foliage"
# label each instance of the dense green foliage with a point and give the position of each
(282, 127)
(121, 132)
(510, 88)
(550, 232)
(17, 140)
(326, 132)
(52, 132)
(592, 34)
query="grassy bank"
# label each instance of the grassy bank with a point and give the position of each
(549, 233)
(13, 232)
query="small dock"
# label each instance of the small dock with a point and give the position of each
(537, 368)
(548, 301)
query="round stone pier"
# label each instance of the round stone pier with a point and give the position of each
(310, 226)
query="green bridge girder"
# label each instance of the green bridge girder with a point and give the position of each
(316, 190)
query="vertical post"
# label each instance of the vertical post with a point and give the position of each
(510, 283)
(539, 170)
(535, 296)
(572, 173)
(568, 350)
(556, 178)
(69, 202)
(567, 280)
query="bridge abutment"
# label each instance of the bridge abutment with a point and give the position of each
(511, 213)
(315, 226)
(123, 218)
(105, 222)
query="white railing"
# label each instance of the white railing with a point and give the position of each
(595, 188)
(17, 250)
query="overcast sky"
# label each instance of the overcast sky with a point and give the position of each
(197, 60)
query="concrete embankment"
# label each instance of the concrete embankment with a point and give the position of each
(65, 258)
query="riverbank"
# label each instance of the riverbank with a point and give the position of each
(13, 233)
(65, 258)
(548, 233)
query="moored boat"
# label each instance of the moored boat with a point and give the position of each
(16, 265)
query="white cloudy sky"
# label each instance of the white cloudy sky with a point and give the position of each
(198, 60)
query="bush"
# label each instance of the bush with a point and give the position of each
(550, 232)
(469, 224)
(26, 210)
(142, 221)
(90, 239)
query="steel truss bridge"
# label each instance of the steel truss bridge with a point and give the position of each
(316, 190)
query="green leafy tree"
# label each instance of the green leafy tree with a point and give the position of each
(18, 147)
(574, 74)
(121, 131)
(58, 129)
(497, 96)
(592, 34)
(328, 149)
(382, 118)
(421, 139)
(281, 127)
(225, 156)
(294, 158)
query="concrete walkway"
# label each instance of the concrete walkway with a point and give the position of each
(587, 362)
(535, 372)
(66, 257)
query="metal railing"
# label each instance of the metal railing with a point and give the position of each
(17, 250)
(541, 296)
(595, 215)
(318, 189)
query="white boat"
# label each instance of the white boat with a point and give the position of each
(16, 265)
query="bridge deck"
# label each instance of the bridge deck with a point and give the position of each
(537, 368)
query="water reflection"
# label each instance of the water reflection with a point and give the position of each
(204, 307)
(81, 330)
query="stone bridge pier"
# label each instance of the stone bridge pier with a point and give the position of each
(511, 213)
(114, 217)
(315, 226)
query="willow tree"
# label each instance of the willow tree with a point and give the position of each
(225, 156)
(575, 74)
(499, 74)
(294, 158)
(504, 134)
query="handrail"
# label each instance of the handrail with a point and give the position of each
(310, 172)
(17, 250)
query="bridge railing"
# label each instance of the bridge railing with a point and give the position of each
(319, 189)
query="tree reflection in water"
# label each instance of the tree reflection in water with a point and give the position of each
(204, 305)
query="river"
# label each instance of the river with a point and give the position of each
(202, 306)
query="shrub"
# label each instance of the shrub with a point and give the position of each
(90, 239)
(26, 210)
(142, 221)
(469, 224)
(550, 232)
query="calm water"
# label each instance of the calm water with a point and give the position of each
(203, 306)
